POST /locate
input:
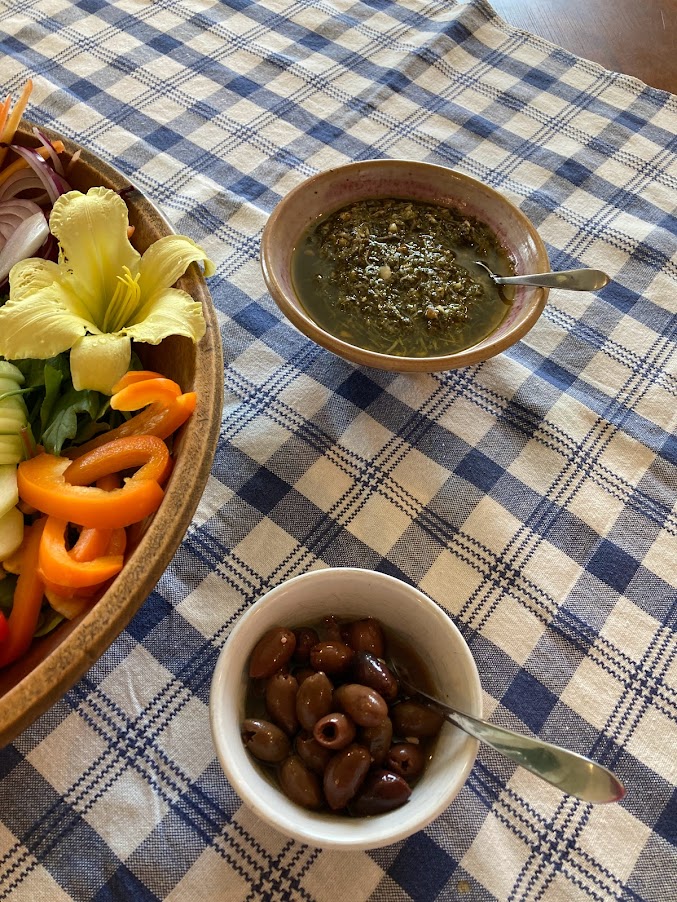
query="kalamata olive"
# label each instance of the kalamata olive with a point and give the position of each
(281, 690)
(258, 688)
(305, 639)
(335, 731)
(371, 671)
(367, 635)
(265, 740)
(405, 759)
(344, 775)
(332, 656)
(381, 791)
(334, 631)
(272, 652)
(303, 673)
(313, 755)
(378, 739)
(364, 705)
(299, 783)
(314, 700)
(413, 719)
(333, 707)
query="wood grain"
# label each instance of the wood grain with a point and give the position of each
(53, 664)
(637, 37)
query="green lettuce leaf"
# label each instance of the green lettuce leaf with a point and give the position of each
(62, 425)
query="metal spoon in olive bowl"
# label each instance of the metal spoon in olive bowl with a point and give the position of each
(571, 279)
(572, 773)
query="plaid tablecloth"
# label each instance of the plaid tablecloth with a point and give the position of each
(532, 496)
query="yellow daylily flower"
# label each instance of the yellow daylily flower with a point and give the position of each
(102, 293)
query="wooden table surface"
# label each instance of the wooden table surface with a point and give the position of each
(638, 37)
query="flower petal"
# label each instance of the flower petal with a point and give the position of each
(33, 274)
(30, 275)
(92, 232)
(173, 312)
(40, 324)
(165, 261)
(99, 361)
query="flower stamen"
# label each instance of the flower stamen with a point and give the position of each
(123, 303)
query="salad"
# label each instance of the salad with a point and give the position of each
(85, 431)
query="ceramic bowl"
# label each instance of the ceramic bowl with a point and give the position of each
(349, 593)
(328, 191)
(53, 664)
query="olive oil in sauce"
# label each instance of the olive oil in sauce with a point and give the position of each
(398, 277)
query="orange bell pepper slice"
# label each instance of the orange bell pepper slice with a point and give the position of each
(91, 544)
(89, 547)
(145, 451)
(109, 482)
(60, 567)
(147, 391)
(28, 596)
(158, 419)
(132, 376)
(42, 483)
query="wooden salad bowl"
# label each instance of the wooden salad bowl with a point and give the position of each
(54, 663)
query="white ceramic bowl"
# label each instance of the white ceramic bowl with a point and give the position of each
(335, 188)
(349, 593)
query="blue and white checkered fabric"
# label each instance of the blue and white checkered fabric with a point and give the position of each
(532, 496)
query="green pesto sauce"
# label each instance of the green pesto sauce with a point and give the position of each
(398, 277)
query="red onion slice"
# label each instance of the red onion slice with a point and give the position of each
(52, 181)
(24, 181)
(54, 156)
(12, 214)
(26, 240)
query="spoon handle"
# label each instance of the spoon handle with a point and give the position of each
(572, 773)
(572, 279)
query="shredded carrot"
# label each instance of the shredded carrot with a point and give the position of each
(27, 598)
(4, 109)
(10, 126)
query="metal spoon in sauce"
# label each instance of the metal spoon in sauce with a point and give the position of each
(572, 773)
(571, 279)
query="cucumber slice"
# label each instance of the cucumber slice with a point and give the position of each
(10, 425)
(11, 448)
(13, 406)
(9, 494)
(11, 532)
(9, 371)
(9, 385)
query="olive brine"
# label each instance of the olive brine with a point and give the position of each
(399, 277)
(326, 711)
